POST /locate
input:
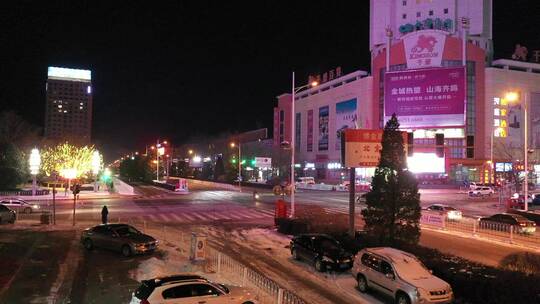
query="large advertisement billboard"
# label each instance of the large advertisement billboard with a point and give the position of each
(426, 98)
(346, 118)
(323, 128)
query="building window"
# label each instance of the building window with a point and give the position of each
(418, 14)
(496, 112)
(431, 13)
(404, 3)
(404, 16)
(446, 11)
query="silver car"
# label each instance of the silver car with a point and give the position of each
(118, 237)
(20, 206)
(400, 275)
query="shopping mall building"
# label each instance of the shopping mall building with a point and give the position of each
(422, 71)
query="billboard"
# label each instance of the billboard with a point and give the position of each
(263, 162)
(65, 73)
(346, 118)
(426, 163)
(363, 147)
(323, 128)
(310, 131)
(426, 98)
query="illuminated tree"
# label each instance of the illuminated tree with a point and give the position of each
(67, 156)
(393, 203)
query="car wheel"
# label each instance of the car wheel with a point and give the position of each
(361, 283)
(248, 302)
(88, 244)
(402, 298)
(319, 266)
(27, 210)
(295, 255)
(126, 251)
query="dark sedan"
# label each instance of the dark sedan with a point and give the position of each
(503, 222)
(118, 237)
(322, 250)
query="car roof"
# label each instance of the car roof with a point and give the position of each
(390, 253)
(111, 225)
(186, 277)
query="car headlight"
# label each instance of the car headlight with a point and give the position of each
(35, 206)
(327, 259)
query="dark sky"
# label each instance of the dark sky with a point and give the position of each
(182, 69)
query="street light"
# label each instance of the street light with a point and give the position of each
(293, 133)
(160, 151)
(513, 96)
(96, 166)
(35, 162)
(239, 165)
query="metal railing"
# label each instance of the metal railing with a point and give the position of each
(507, 233)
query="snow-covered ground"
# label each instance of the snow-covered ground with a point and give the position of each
(268, 252)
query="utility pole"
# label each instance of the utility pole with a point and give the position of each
(352, 186)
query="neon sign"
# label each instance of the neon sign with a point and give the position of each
(428, 24)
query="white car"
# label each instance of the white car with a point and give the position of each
(451, 212)
(20, 206)
(190, 288)
(482, 191)
(400, 275)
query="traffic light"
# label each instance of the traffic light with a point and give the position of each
(253, 162)
(243, 162)
(233, 160)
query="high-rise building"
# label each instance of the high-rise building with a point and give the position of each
(68, 110)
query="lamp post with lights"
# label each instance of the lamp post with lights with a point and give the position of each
(160, 150)
(96, 166)
(35, 162)
(295, 90)
(515, 97)
(239, 165)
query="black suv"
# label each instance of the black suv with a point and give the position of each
(322, 250)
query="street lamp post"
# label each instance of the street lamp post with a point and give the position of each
(293, 133)
(513, 97)
(239, 164)
(160, 150)
(96, 165)
(35, 162)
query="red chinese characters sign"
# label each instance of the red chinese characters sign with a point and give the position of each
(363, 147)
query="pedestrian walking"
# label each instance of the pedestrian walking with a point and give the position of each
(104, 214)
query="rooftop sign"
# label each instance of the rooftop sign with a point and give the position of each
(65, 73)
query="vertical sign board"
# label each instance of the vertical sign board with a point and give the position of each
(323, 128)
(363, 147)
(346, 118)
(309, 131)
(426, 98)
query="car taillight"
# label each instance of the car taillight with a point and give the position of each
(522, 224)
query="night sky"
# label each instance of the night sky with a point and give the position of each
(183, 69)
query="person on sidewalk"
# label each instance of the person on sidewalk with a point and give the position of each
(104, 214)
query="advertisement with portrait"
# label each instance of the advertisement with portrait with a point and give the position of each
(346, 118)
(426, 97)
(309, 132)
(323, 128)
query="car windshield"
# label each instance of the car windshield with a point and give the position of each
(447, 208)
(410, 268)
(328, 245)
(224, 288)
(126, 231)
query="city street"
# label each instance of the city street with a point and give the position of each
(235, 223)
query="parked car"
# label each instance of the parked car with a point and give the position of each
(400, 275)
(451, 212)
(118, 237)
(503, 222)
(322, 250)
(308, 180)
(20, 206)
(536, 199)
(190, 288)
(481, 191)
(7, 215)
